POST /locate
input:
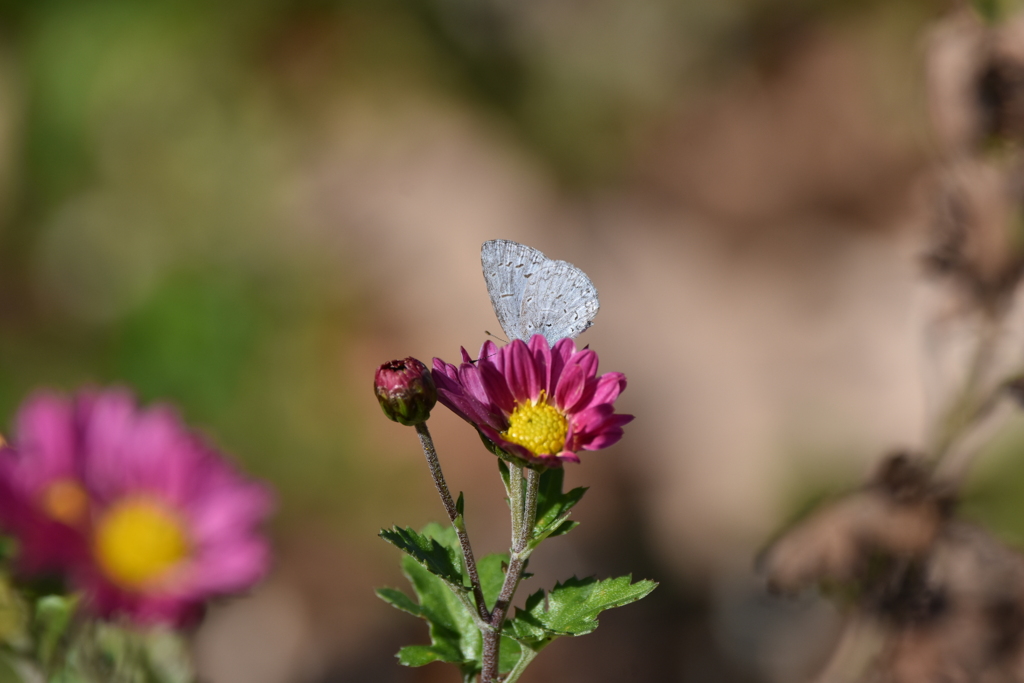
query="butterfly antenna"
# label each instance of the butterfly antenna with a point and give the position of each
(503, 341)
(474, 362)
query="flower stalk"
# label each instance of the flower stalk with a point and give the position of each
(454, 516)
(523, 501)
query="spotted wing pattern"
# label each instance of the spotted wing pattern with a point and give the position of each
(534, 294)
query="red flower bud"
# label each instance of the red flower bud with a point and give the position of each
(405, 390)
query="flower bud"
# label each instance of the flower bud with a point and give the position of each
(405, 390)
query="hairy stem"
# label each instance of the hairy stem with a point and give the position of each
(524, 515)
(453, 515)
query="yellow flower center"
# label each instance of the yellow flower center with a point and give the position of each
(65, 501)
(138, 541)
(538, 426)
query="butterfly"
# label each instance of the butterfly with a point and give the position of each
(533, 294)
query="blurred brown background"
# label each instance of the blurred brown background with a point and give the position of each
(245, 207)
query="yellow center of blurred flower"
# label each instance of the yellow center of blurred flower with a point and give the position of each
(65, 501)
(138, 541)
(538, 426)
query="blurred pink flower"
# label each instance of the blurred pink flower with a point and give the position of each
(156, 520)
(539, 403)
(42, 499)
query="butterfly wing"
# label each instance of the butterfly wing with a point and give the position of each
(508, 268)
(559, 301)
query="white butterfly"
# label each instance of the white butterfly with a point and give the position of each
(533, 294)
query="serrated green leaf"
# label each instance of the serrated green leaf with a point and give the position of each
(553, 506)
(437, 557)
(399, 600)
(453, 634)
(571, 608)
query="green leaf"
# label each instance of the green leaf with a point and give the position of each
(400, 600)
(508, 654)
(571, 608)
(443, 559)
(454, 637)
(419, 655)
(565, 527)
(453, 634)
(553, 506)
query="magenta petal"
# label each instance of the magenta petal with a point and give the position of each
(472, 383)
(540, 350)
(602, 433)
(446, 369)
(521, 373)
(609, 386)
(604, 439)
(561, 352)
(590, 419)
(570, 388)
(568, 456)
(158, 456)
(452, 394)
(228, 510)
(497, 388)
(231, 567)
(46, 434)
(110, 424)
(587, 360)
(490, 353)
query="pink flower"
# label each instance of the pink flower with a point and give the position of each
(156, 520)
(42, 499)
(538, 403)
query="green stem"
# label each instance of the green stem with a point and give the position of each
(456, 519)
(524, 515)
